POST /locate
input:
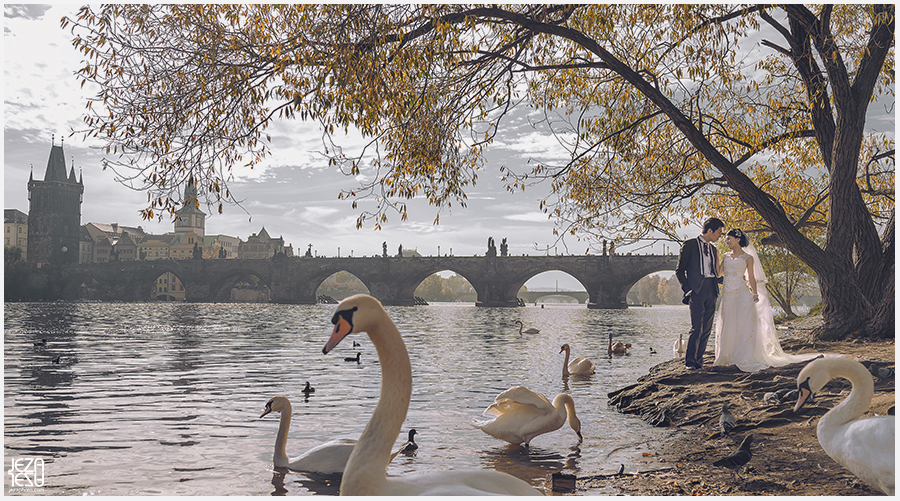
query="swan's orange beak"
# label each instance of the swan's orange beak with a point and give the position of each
(805, 393)
(342, 327)
(268, 410)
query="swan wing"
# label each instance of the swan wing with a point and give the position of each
(459, 483)
(516, 422)
(866, 447)
(523, 395)
(327, 458)
(581, 366)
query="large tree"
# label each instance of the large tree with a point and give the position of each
(669, 113)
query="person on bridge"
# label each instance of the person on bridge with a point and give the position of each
(698, 274)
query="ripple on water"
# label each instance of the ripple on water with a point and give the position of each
(171, 393)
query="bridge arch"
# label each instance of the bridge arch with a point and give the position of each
(318, 281)
(532, 296)
(636, 275)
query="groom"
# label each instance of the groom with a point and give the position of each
(697, 274)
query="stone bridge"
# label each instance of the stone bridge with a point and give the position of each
(393, 280)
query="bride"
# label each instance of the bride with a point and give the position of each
(745, 329)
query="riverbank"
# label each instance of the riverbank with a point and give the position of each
(787, 458)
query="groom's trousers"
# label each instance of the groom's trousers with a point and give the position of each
(703, 309)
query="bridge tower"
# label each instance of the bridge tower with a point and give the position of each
(54, 213)
(190, 217)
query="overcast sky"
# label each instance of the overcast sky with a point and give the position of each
(294, 195)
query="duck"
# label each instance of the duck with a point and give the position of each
(864, 446)
(356, 345)
(410, 444)
(678, 348)
(365, 472)
(530, 330)
(737, 459)
(326, 459)
(577, 367)
(42, 342)
(519, 414)
(618, 348)
(652, 351)
(57, 360)
(353, 359)
(308, 389)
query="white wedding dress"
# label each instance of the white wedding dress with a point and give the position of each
(745, 331)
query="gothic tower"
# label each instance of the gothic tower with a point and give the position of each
(54, 214)
(190, 217)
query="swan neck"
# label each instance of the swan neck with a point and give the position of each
(365, 471)
(857, 402)
(284, 425)
(564, 405)
(566, 363)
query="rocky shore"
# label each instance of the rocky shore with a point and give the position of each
(787, 458)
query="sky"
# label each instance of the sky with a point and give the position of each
(293, 195)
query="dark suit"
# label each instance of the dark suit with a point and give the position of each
(702, 292)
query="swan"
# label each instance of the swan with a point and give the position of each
(520, 414)
(863, 446)
(678, 348)
(578, 367)
(618, 348)
(326, 459)
(365, 473)
(530, 330)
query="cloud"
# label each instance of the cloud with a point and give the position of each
(528, 217)
(25, 11)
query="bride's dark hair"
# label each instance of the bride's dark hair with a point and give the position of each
(743, 240)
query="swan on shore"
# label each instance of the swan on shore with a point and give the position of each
(530, 330)
(863, 446)
(519, 414)
(365, 473)
(327, 459)
(577, 367)
(679, 346)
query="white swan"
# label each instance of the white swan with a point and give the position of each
(678, 348)
(530, 330)
(618, 348)
(577, 367)
(365, 473)
(520, 414)
(863, 446)
(327, 459)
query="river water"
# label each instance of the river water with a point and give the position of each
(165, 398)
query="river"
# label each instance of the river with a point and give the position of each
(165, 398)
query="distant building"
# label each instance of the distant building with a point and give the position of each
(54, 213)
(15, 230)
(230, 245)
(182, 246)
(154, 247)
(262, 246)
(110, 242)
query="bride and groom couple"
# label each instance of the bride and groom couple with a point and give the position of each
(745, 329)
